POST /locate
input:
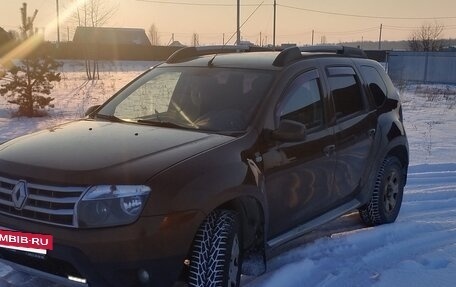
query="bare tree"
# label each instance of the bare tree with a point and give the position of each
(153, 35)
(27, 22)
(93, 13)
(427, 38)
(323, 40)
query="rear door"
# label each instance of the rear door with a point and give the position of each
(355, 124)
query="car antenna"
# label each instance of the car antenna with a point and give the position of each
(210, 63)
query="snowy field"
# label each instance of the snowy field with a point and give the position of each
(418, 250)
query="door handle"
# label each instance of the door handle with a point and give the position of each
(371, 133)
(329, 149)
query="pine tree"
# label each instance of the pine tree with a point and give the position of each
(29, 85)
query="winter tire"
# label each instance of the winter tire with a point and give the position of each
(386, 199)
(216, 255)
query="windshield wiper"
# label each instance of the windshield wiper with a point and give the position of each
(110, 118)
(164, 124)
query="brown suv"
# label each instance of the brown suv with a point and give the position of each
(197, 168)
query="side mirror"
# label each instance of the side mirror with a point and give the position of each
(290, 131)
(91, 110)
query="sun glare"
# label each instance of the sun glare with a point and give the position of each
(33, 42)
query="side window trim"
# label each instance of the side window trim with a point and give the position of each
(333, 71)
(346, 70)
(308, 75)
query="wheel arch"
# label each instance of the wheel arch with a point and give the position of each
(251, 215)
(252, 218)
(401, 153)
(397, 147)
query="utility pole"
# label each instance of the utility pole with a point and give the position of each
(58, 21)
(223, 39)
(238, 39)
(380, 38)
(261, 44)
(313, 34)
(274, 28)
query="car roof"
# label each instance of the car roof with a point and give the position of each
(234, 57)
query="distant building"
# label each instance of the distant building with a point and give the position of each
(5, 37)
(246, 43)
(110, 36)
(176, 44)
(287, 45)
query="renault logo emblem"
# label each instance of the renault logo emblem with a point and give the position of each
(19, 194)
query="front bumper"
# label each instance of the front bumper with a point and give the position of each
(113, 256)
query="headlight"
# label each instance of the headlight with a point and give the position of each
(111, 205)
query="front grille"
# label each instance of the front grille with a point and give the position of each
(49, 204)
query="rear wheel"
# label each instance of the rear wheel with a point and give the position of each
(216, 255)
(386, 199)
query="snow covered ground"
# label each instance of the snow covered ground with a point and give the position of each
(73, 95)
(418, 250)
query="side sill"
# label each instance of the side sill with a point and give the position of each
(312, 224)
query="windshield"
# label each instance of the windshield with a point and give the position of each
(212, 99)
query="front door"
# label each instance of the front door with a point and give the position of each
(299, 175)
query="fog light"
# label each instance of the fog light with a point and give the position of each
(143, 276)
(77, 279)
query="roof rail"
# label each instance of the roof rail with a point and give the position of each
(292, 54)
(337, 49)
(287, 56)
(190, 52)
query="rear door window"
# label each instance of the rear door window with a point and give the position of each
(346, 92)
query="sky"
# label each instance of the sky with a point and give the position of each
(215, 20)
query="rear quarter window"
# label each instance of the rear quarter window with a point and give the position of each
(375, 84)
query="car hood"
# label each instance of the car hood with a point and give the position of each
(98, 152)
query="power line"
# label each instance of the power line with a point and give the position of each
(415, 27)
(248, 18)
(348, 32)
(410, 29)
(197, 4)
(366, 16)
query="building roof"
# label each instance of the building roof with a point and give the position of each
(110, 36)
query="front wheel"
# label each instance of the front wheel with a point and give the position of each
(216, 255)
(386, 199)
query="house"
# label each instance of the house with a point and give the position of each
(110, 36)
